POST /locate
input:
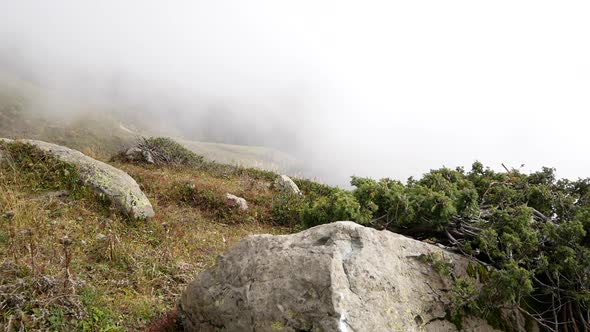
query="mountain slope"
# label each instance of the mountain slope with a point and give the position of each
(30, 111)
(69, 262)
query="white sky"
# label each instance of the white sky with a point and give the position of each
(395, 88)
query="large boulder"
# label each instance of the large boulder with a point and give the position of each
(116, 185)
(285, 184)
(334, 277)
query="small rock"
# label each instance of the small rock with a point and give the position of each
(285, 184)
(66, 241)
(148, 157)
(8, 215)
(56, 194)
(45, 283)
(137, 154)
(233, 200)
(133, 154)
(100, 237)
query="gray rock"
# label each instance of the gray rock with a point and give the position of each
(334, 277)
(116, 185)
(149, 158)
(233, 200)
(133, 154)
(101, 237)
(284, 183)
(137, 154)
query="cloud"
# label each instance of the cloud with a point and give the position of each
(374, 88)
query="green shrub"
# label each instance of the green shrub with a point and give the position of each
(531, 230)
(199, 196)
(315, 209)
(464, 297)
(340, 205)
(287, 209)
(166, 151)
(100, 316)
(314, 189)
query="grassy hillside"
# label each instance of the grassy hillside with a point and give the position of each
(30, 111)
(71, 263)
(247, 156)
(110, 273)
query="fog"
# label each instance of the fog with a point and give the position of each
(380, 89)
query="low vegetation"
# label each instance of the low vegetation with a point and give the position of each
(166, 151)
(529, 232)
(72, 263)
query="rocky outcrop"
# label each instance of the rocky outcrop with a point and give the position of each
(116, 185)
(233, 200)
(285, 184)
(336, 277)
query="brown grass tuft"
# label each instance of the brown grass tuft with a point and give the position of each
(119, 274)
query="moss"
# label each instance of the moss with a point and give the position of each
(100, 316)
(440, 264)
(455, 317)
(437, 261)
(494, 318)
(471, 270)
(276, 326)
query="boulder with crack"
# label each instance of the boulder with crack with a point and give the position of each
(116, 185)
(335, 277)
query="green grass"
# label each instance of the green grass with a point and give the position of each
(123, 274)
(246, 156)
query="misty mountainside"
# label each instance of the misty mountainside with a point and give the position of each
(101, 129)
(73, 261)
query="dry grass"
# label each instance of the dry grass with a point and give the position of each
(123, 274)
